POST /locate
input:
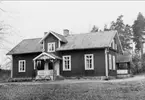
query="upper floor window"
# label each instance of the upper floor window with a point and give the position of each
(22, 65)
(89, 62)
(51, 47)
(66, 63)
(114, 45)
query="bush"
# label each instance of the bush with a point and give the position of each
(20, 79)
(138, 64)
(4, 75)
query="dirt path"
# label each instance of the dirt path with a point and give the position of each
(135, 78)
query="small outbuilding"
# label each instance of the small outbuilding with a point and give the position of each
(123, 63)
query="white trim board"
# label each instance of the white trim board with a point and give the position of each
(44, 53)
(106, 63)
(48, 34)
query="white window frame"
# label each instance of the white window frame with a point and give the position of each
(86, 67)
(50, 44)
(113, 44)
(110, 61)
(21, 66)
(114, 63)
(38, 63)
(64, 64)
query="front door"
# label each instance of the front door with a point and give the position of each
(48, 65)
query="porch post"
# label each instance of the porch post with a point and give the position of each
(53, 70)
(34, 64)
(35, 68)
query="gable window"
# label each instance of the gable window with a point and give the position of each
(66, 63)
(22, 65)
(51, 47)
(89, 62)
(110, 62)
(114, 67)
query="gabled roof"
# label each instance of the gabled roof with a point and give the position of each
(126, 57)
(88, 40)
(27, 46)
(58, 36)
(74, 42)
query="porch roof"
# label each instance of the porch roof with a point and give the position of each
(46, 55)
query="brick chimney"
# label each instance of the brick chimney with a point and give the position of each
(45, 33)
(65, 32)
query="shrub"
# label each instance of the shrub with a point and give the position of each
(138, 64)
(20, 79)
(4, 75)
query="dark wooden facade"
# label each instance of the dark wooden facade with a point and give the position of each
(77, 61)
(30, 72)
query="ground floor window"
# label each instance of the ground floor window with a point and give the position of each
(89, 62)
(66, 63)
(114, 63)
(22, 65)
(123, 66)
(110, 62)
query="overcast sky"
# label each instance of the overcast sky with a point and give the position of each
(30, 19)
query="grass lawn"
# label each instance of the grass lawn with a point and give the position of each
(94, 90)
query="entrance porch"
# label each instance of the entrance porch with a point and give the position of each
(47, 66)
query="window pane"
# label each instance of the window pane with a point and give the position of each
(66, 62)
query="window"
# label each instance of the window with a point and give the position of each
(22, 65)
(110, 62)
(114, 63)
(51, 47)
(114, 45)
(66, 63)
(89, 62)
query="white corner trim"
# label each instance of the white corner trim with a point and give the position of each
(43, 46)
(59, 44)
(12, 68)
(106, 62)
(92, 62)
(44, 53)
(64, 63)
(24, 65)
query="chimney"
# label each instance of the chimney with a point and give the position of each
(65, 32)
(45, 33)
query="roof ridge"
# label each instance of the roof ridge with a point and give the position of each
(93, 32)
(31, 38)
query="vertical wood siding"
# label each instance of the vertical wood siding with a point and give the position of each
(50, 39)
(30, 72)
(78, 63)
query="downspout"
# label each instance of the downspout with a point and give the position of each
(106, 62)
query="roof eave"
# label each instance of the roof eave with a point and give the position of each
(81, 48)
(52, 34)
(23, 53)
